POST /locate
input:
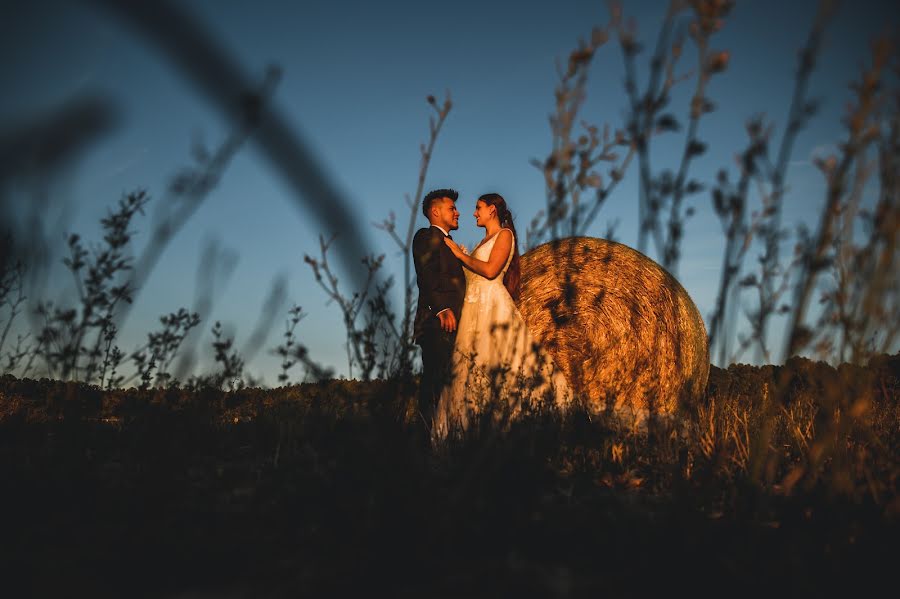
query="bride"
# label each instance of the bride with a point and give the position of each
(495, 358)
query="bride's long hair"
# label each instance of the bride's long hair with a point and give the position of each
(513, 274)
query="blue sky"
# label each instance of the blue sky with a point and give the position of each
(355, 78)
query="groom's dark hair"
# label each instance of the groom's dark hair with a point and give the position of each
(437, 194)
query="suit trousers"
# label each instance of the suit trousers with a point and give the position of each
(437, 350)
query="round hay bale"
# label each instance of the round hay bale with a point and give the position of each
(624, 330)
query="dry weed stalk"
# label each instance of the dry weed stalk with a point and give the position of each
(799, 422)
(381, 345)
(707, 438)
(739, 435)
(667, 190)
(402, 360)
(291, 351)
(828, 249)
(362, 340)
(12, 296)
(569, 170)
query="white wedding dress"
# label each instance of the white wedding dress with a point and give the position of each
(495, 358)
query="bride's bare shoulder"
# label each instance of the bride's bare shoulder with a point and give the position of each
(503, 236)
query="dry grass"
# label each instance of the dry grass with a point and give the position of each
(319, 488)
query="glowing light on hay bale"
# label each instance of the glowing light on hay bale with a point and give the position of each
(624, 330)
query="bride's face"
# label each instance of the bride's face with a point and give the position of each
(483, 213)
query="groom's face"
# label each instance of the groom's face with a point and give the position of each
(445, 214)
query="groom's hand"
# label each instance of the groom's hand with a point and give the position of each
(448, 320)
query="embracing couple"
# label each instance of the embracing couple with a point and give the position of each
(476, 348)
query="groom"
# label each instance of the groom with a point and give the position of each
(442, 288)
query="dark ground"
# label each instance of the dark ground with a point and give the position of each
(166, 498)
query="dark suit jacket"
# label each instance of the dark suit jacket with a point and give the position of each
(440, 278)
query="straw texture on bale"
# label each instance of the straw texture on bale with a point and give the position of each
(624, 331)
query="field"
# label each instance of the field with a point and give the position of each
(331, 488)
(149, 471)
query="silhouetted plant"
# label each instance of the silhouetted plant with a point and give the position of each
(401, 358)
(730, 203)
(12, 296)
(773, 279)
(232, 366)
(569, 170)
(215, 266)
(70, 339)
(666, 191)
(161, 348)
(112, 359)
(861, 274)
(364, 348)
(864, 301)
(381, 345)
(291, 351)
